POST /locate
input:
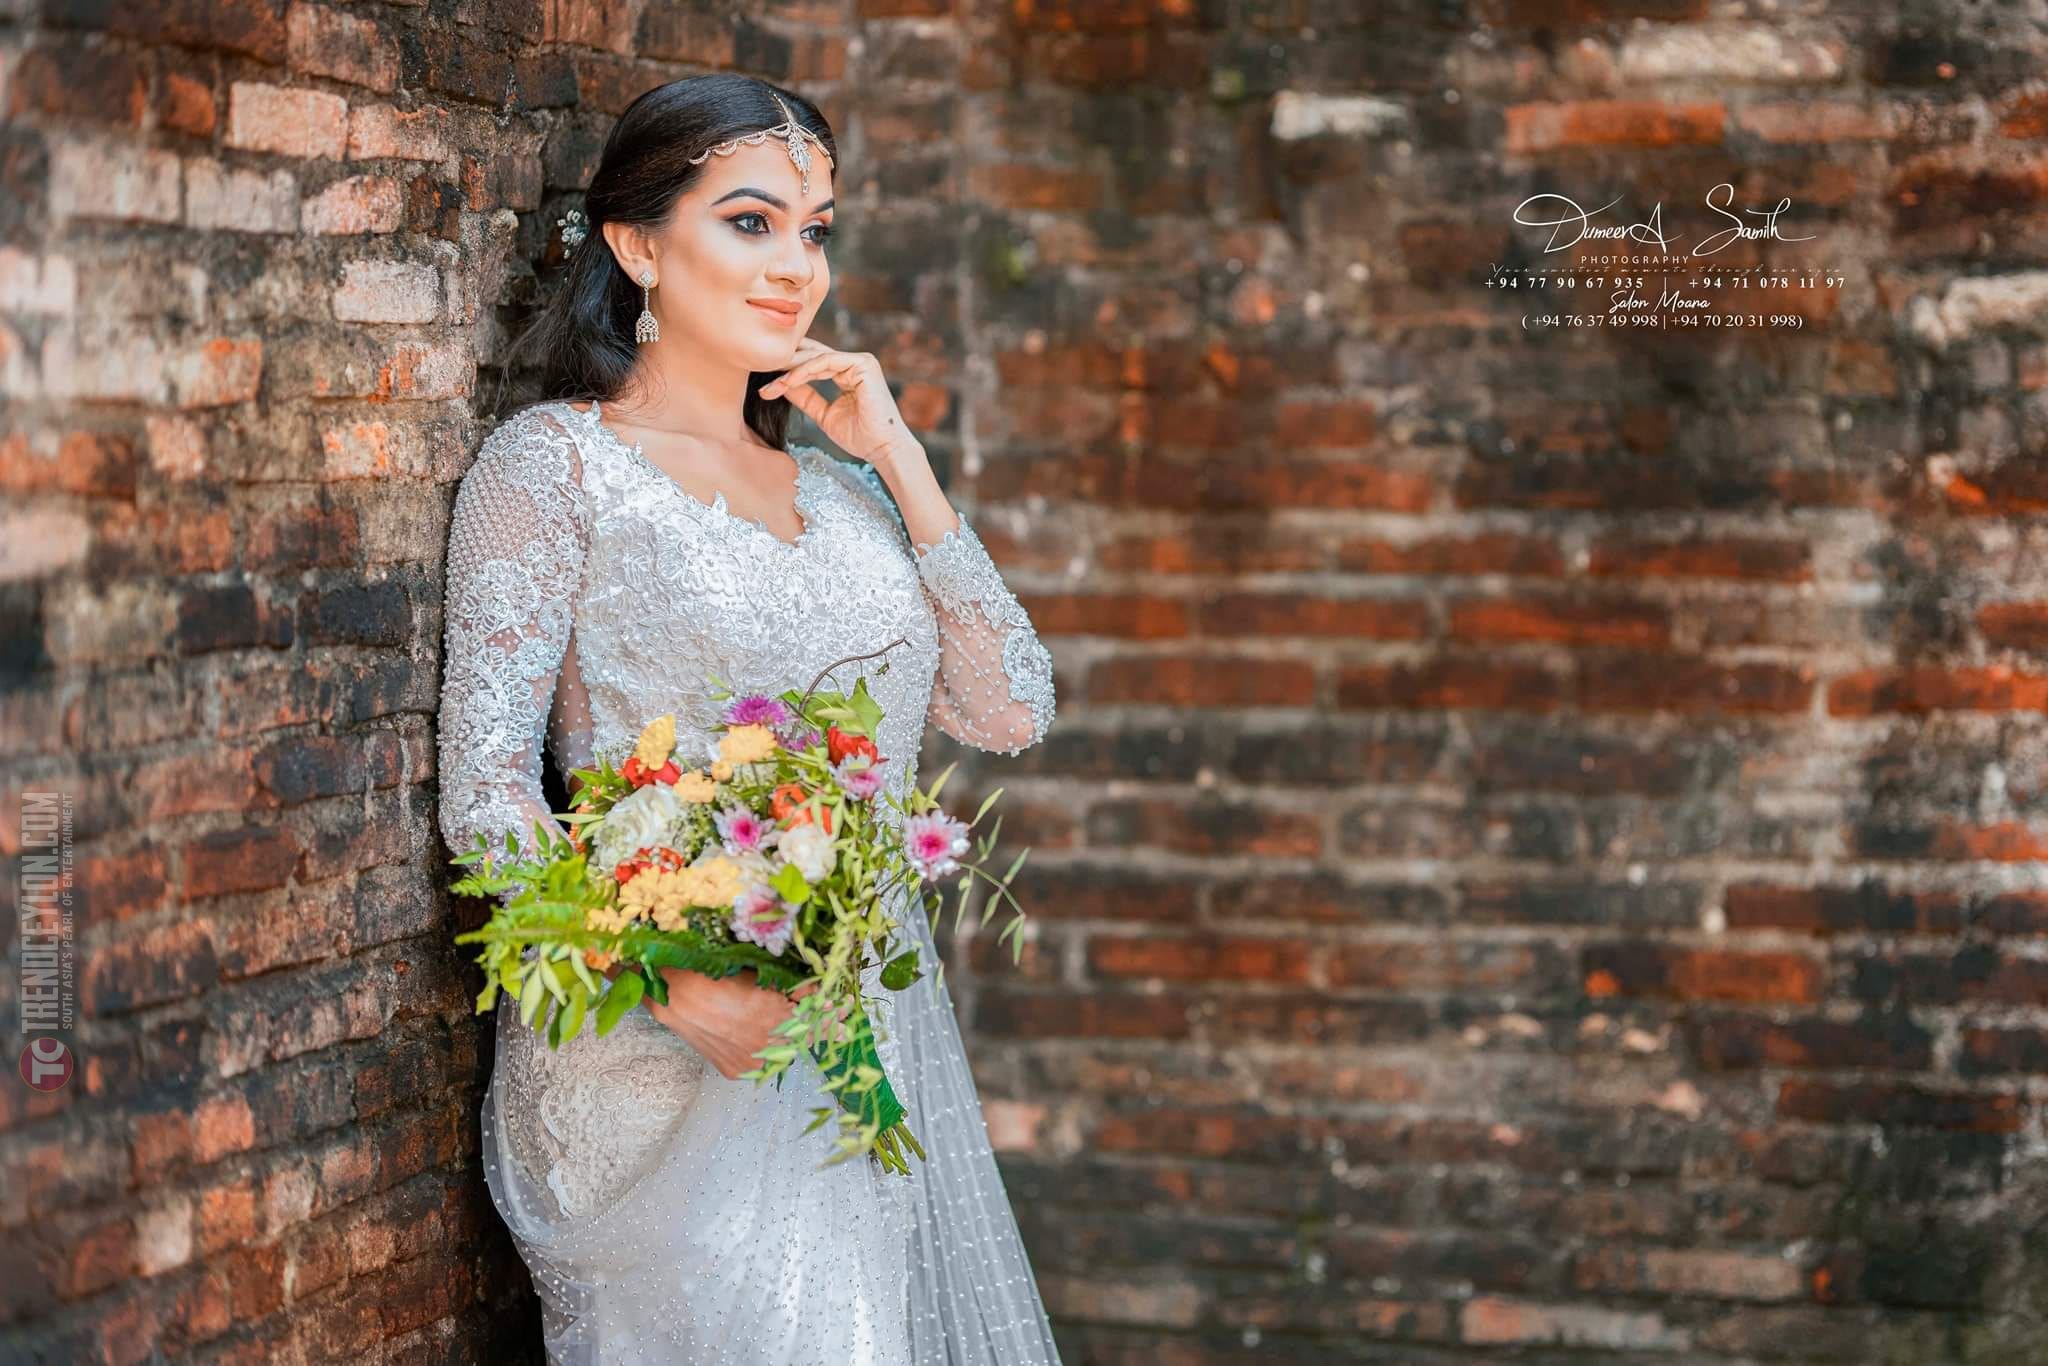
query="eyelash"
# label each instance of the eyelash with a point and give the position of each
(825, 230)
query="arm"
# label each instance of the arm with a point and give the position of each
(994, 688)
(516, 545)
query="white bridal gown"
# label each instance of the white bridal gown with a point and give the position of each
(669, 1215)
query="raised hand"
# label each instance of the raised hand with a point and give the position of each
(863, 420)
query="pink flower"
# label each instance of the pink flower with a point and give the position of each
(761, 917)
(931, 840)
(757, 709)
(859, 776)
(799, 738)
(743, 831)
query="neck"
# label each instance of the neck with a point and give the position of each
(674, 389)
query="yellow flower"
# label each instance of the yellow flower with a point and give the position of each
(721, 770)
(747, 744)
(657, 742)
(717, 880)
(609, 919)
(696, 786)
(657, 895)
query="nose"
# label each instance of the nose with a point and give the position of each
(792, 267)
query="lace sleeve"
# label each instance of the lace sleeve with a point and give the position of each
(516, 544)
(994, 687)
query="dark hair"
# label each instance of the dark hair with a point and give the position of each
(584, 332)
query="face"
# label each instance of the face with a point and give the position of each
(746, 232)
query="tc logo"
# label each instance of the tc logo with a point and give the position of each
(46, 1063)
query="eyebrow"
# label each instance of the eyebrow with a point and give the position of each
(763, 194)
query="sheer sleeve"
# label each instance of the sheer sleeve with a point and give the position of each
(994, 686)
(516, 545)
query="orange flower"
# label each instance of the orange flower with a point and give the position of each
(645, 857)
(787, 803)
(838, 744)
(640, 775)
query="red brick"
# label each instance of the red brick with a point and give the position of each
(1223, 547)
(63, 77)
(1612, 123)
(1203, 681)
(1640, 969)
(1235, 958)
(1990, 1052)
(1206, 827)
(1128, 616)
(350, 48)
(1292, 614)
(1732, 558)
(2015, 625)
(1561, 622)
(1496, 553)
(250, 859)
(1899, 1105)
(1933, 688)
(1453, 683)
(1664, 683)
(1040, 1015)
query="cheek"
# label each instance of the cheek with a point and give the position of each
(719, 258)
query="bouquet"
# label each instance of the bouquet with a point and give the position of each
(767, 852)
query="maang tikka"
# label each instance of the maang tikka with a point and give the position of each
(799, 138)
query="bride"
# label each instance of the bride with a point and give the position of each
(612, 547)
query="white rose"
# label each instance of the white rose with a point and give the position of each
(810, 849)
(646, 817)
(754, 867)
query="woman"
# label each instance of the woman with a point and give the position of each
(611, 549)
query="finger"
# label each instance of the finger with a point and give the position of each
(788, 379)
(809, 402)
(827, 366)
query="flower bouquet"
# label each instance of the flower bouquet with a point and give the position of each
(770, 854)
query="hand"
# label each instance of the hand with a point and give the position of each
(728, 1020)
(863, 420)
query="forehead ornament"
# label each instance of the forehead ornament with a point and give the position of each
(799, 139)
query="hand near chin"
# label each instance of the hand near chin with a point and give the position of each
(863, 419)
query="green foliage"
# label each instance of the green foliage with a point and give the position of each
(533, 950)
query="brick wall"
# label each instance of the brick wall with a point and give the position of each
(1541, 854)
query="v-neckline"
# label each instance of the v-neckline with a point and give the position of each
(799, 501)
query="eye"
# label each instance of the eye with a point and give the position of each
(824, 230)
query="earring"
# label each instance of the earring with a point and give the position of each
(645, 328)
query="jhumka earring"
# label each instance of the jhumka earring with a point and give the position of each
(799, 138)
(645, 327)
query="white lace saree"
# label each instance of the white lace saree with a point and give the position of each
(669, 1215)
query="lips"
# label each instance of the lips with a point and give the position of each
(776, 310)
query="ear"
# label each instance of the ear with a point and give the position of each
(631, 248)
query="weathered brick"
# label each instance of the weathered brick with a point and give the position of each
(114, 180)
(232, 199)
(352, 48)
(377, 131)
(388, 292)
(292, 121)
(359, 204)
